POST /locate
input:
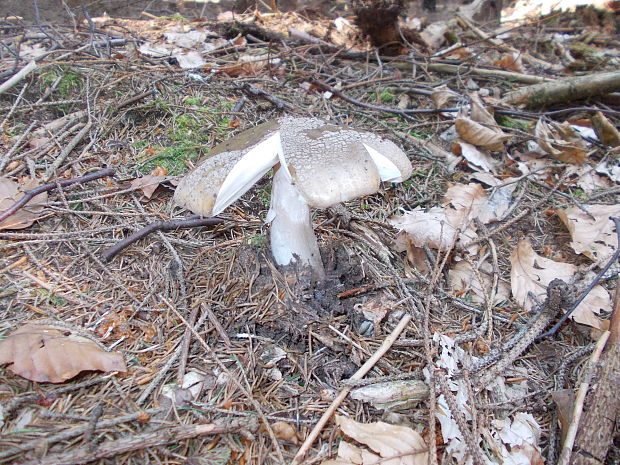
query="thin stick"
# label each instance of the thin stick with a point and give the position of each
(159, 437)
(359, 374)
(50, 186)
(31, 66)
(191, 222)
(571, 434)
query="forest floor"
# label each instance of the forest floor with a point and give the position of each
(208, 353)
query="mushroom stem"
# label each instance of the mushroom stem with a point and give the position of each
(292, 236)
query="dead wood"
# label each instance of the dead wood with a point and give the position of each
(191, 222)
(160, 437)
(30, 194)
(565, 90)
(595, 436)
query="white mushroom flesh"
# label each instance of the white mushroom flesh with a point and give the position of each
(292, 236)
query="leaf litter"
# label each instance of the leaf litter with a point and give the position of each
(286, 339)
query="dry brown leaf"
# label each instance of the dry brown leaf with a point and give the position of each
(479, 135)
(592, 235)
(475, 156)
(285, 431)
(437, 228)
(605, 130)
(149, 183)
(463, 278)
(561, 141)
(49, 354)
(399, 442)
(481, 114)
(444, 98)
(532, 273)
(472, 200)
(511, 61)
(11, 192)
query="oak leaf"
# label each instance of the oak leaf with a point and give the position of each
(50, 354)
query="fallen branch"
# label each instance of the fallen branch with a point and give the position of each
(141, 441)
(579, 400)
(595, 436)
(565, 90)
(191, 222)
(21, 74)
(32, 193)
(359, 374)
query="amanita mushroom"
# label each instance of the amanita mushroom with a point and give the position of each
(320, 165)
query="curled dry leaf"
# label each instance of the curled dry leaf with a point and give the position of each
(607, 133)
(150, 182)
(11, 192)
(561, 141)
(532, 273)
(49, 354)
(443, 97)
(479, 135)
(511, 61)
(593, 235)
(285, 431)
(402, 443)
(475, 156)
(438, 227)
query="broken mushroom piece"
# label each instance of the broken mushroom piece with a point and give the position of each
(320, 165)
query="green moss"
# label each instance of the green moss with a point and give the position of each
(512, 123)
(172, 158)
(387, 96)
(192, 101)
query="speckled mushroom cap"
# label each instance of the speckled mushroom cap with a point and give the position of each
(330, 164)
(199, 190)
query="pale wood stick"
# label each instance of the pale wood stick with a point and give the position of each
(359, 374)
(567, 448)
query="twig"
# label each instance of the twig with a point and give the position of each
(77, 431)
(191, 222)
(359, 374)
(187, 338)
(557, 297)
(156, 438)
(254, 91)
(597, 278)
(60, 158)
(396, 111)
(581, 395)
(30, 194)
(31, 66)
(135, 98)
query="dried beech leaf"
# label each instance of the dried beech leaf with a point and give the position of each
(605, 130)
(511, 61)
(285, 431)
(475, 156)
(11, 192)
(399, 442)
(148, 184)
(561, 141)
(463, 278)
(444, 98)
(479, 135)
(437, 228)
(532, 273)
(49, 354)
(593, 235)
(480, 114)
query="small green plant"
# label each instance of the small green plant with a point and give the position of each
(191, 101)
(512, 123)
(387, 96)
(260, 240)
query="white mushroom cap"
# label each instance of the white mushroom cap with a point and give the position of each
(329, 164)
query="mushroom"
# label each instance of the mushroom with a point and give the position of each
(318, 165)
